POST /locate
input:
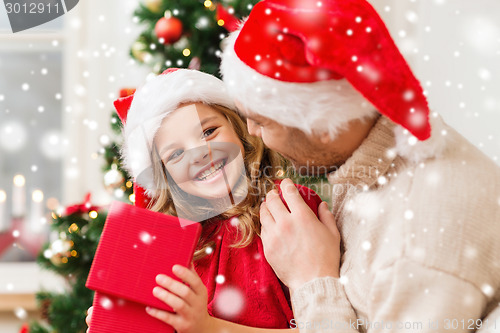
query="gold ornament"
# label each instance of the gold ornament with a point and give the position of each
(60, 251)
(113, 179)
(139, 51)
(153, 5)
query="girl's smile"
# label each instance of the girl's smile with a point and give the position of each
(211, 172)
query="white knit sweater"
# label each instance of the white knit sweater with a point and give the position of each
(421, 239)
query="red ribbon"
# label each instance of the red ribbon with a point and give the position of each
(24, 329)
(82, 208)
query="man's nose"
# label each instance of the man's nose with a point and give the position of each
(253, 128)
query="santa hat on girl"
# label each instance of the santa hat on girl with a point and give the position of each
(316, 65)
(143, 112)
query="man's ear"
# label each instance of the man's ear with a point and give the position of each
(325, 138)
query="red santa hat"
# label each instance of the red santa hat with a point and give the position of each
(143, 112)
(316, 65)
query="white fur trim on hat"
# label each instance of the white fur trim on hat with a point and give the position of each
(154, 101)
(320, 107)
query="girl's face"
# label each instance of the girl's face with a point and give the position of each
(201, 151)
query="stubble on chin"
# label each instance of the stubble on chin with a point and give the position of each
(320, 168)
(311, 159)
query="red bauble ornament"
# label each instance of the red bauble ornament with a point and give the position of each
(170, 29)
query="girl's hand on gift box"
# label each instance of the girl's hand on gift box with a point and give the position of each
(89, 317)
(188, 299)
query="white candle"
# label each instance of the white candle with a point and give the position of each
(19, 196)
(3, 221)
(36, 213)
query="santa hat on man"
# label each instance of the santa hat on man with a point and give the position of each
(143, 112)
(316, 65)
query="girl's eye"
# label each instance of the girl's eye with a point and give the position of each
(175, 154)
(208, 132)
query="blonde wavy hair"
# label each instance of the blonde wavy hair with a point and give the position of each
(261, 165)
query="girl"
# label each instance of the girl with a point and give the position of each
(193, 155)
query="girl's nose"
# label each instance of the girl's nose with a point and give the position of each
(199, 154)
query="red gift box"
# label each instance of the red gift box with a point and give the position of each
(136, 245)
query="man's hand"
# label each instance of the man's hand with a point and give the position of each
(296, 244)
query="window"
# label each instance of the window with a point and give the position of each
(31, 134)
(85, 54)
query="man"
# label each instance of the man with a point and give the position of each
(417, 206)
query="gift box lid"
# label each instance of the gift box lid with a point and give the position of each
(136, 245)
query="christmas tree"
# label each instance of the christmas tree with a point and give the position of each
(70, 255)
(186, 33)
(79, 228)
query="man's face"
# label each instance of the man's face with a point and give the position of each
(303, 151)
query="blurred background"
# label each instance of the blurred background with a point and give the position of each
(58, 134)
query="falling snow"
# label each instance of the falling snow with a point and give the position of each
(144, 236)
(470, 252)
(408, 95)
(13, 136)
(478, 33)
(432, 178)
(418, 253)
(366, 245)
(412, 140)
(488, 290)
(411, 16)
(484, 74)
(382, 180)
(106, 303)
(408, 214)
(220, 279)
(20, 313)
(104, 140)
(230, 302)
(235, 221)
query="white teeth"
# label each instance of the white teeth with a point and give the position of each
(211, 171)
